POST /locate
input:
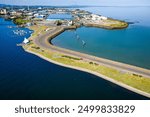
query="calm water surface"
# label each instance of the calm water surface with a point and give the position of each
(63, 16)
(131, 45)
(25, 76)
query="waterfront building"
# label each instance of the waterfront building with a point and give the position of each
(25, 41)
(3, 12)
(97, 17)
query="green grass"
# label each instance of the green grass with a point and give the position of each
(132, 80)
(70, 57)
(116, 23)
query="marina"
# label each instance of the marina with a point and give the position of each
(19, 32)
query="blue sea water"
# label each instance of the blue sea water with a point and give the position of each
(25, 76)
(130, 45)
(63, 16)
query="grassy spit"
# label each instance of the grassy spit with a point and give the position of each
(107, 24)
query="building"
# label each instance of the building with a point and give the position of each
(70, 23)
(103, 18)
(97, 17)
(19, 13)
(25, 41)
(35, 14)
(12, 13)
(3, 12)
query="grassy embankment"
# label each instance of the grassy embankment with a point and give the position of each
(132, 80)
(115, 24)
(108, 24)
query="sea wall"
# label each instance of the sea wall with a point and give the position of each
(59, 31)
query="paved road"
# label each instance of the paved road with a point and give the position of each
(43, 41)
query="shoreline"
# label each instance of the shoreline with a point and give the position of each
(49, 47)
(93, 73)
(110, 63)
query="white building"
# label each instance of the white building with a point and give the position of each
(103, 18)
(29, 13)
(97, 17)
(25, 41)
(3, 11)
(12, 12)
(35, 14)
(70, 23)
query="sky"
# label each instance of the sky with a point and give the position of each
(78, 2)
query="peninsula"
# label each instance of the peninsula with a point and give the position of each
(45, 29)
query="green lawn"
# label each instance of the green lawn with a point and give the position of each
(132, 80)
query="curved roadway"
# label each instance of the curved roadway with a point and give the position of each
(43, 41)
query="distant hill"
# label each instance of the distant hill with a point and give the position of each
(1, 5)
(69, 6)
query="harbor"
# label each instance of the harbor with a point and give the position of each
(40, 43)
(31, 77)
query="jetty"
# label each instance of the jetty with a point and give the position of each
(44, 41)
